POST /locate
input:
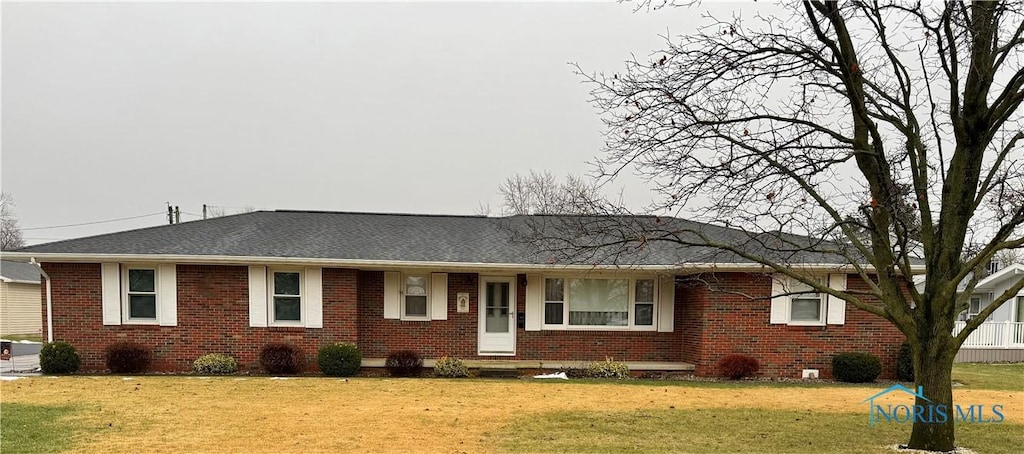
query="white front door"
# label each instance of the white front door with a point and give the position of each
(497, 316)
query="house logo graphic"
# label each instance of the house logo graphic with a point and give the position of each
(928, 412)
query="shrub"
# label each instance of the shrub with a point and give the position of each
(905, 363)
(404, 363)
(450, 368)
(59, 358)
(737, 366)
(856, 367)
(608, 369)
(278, 359)
(340, 360)
(575, 372)
(127, 358)
(215, 364)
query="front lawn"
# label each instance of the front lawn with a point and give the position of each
(743, 430)
(26, 428)
(261, 414)
(1007, 377)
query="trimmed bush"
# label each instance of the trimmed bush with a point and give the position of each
(280, 359)
(59, 358)
(608, 369)
(404, 363)
(737, 366)
(340, 360)
(127, 357)
(905, 363)
(575, 372)
(215, 364)
(450, 368)
(856, 367)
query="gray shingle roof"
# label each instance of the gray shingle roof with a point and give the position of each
(17, 271)
(410, 238)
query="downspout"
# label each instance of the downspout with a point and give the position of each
(49, 301)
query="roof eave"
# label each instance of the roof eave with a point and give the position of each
(990, 283)
(404, 264)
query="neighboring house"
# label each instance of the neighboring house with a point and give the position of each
(1001, 336)
(20, 299)
(440, 285)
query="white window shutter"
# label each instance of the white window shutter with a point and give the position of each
(439, 296)
(780, 302)
(534, 302)
(836, 306)
(111, 290)
(392, 298)
(167, 296)
(314, 298)
(258, 296)
(666, 304)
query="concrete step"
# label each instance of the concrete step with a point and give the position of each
(498, 372)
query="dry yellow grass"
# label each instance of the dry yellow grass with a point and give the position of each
(258, 414)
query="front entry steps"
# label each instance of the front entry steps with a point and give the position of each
(498, 371)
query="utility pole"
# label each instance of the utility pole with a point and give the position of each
(177, 214)
(170, 214)
(204, 211)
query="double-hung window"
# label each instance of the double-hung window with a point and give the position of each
(643, 306)
(619, 303)
(414, 304)
(141, 295)
(554, 301)
(806, 305)
(795, 302)
(974, 308)
(286, 297)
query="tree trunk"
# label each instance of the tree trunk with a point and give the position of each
(933, 371)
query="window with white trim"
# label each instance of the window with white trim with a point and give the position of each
(554, 301)
(601, 303)
(415, 295)
(1020, 316)
(643, 305)
(974, 308)
(285, 297)
(140, 300)
(806, 305)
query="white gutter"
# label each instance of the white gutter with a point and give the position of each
(404, 264)
(49, 301)
(16, 281)
(407, 264)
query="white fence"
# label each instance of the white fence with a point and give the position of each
(994, 335)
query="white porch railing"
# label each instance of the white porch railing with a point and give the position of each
(994, 335)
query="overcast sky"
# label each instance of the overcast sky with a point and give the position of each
(113, 110)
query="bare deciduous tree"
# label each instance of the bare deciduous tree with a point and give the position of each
(542, 193)
(219, 211)
(10, 232)
(783, 124)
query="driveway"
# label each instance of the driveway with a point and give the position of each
(24, 358)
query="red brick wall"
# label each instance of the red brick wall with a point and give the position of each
(731, 322)
(431, 339)
(457, 336)
(712, 318)
(691, 302)
(213, 317)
